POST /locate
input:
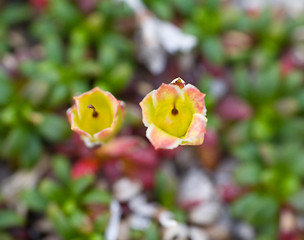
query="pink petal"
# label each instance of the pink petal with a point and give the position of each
(196, 97)
(165, 92)
(106, 133)
(161, 139)
(197, 129)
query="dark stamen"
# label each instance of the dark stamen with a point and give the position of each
(95, 114)
(174, 111)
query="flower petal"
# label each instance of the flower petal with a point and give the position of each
(196, 131)
(107, 133)
(104, 103)
(73, 119)
(166, 94)
(193, 95)
(148, 108)
(161, 139)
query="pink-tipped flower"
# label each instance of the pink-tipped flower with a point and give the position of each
(97, 116)
(175, 114)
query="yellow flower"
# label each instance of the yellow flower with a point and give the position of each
(97, 116)
(175, 115)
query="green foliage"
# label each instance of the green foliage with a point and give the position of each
(165, 190)
(67, 202)
(66, 51)
(10, 219)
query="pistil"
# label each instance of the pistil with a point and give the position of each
(174, 111)
(95, 113)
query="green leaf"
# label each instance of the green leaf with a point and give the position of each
(96, 236)
(64, 12)
(54, 48)
(107, 55)
(256, 209)
(31, 152)
(15, 13)
(5, 236)
(266, 84)
(248, 173)
(77, 220)
(60, 222)
(297, 200)
(241, 81)
(9, 219)
(98, 196)
(102, 221)
(246, 152)
(52, 191)
(54, 128)
(23, 145)
(6, 88)
(165, 190)
(34, 200)
(162, 9)
(119, 77)
(81, 184)
(152, 232)
(185, 7)
(212, 48)
(58, 95)
(293, 82)
(61, 168)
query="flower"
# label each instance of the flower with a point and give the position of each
(97, 116)
(175, 115)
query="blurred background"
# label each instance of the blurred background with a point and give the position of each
(245, 182)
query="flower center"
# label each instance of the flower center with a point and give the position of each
(95, 113)
(174, 120)
(174, 111)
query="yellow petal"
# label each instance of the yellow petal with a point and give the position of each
(148, 109)
(161, 139)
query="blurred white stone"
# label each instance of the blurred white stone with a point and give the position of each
(195, 188)
(206, 213)
(10, 62)
(197, 234)
(221, 229)
(112, 229)
(156, 38)
(149, 48)
(218, 232)
(166, 220)
(138, 222)
(244, 231)
(178, 232)
(224, 173)
(218, 88)
(124, 189)
(140, 206)
(25, 179)
(173, 39)
(124, 230)
(288, 221)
